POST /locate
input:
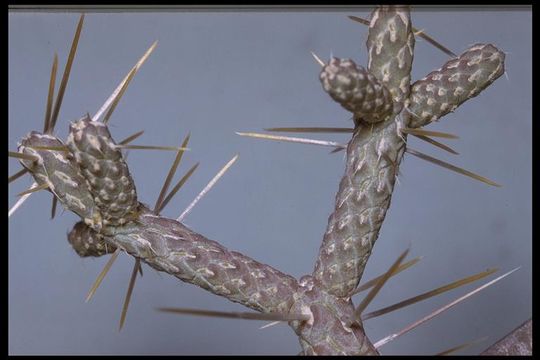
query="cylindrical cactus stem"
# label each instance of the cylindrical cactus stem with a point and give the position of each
(390, 47)
(57, 169)
(459, 80)
(102, 164)
(87, 242)
(169, 246)
(373, 157)
(358, 91)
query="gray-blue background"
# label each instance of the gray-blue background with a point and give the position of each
(216, 73)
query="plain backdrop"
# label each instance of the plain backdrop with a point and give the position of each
(217, 72)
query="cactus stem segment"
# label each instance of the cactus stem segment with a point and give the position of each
(357, 90)
(458, 80)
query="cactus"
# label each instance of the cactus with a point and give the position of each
(160, 242)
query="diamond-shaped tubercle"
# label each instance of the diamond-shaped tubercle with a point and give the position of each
(358, 91)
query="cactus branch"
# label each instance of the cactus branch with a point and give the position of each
(390, 46)
(459, 80)
(361, 204)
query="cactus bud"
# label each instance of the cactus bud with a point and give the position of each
(87, 242)
(354, 88)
